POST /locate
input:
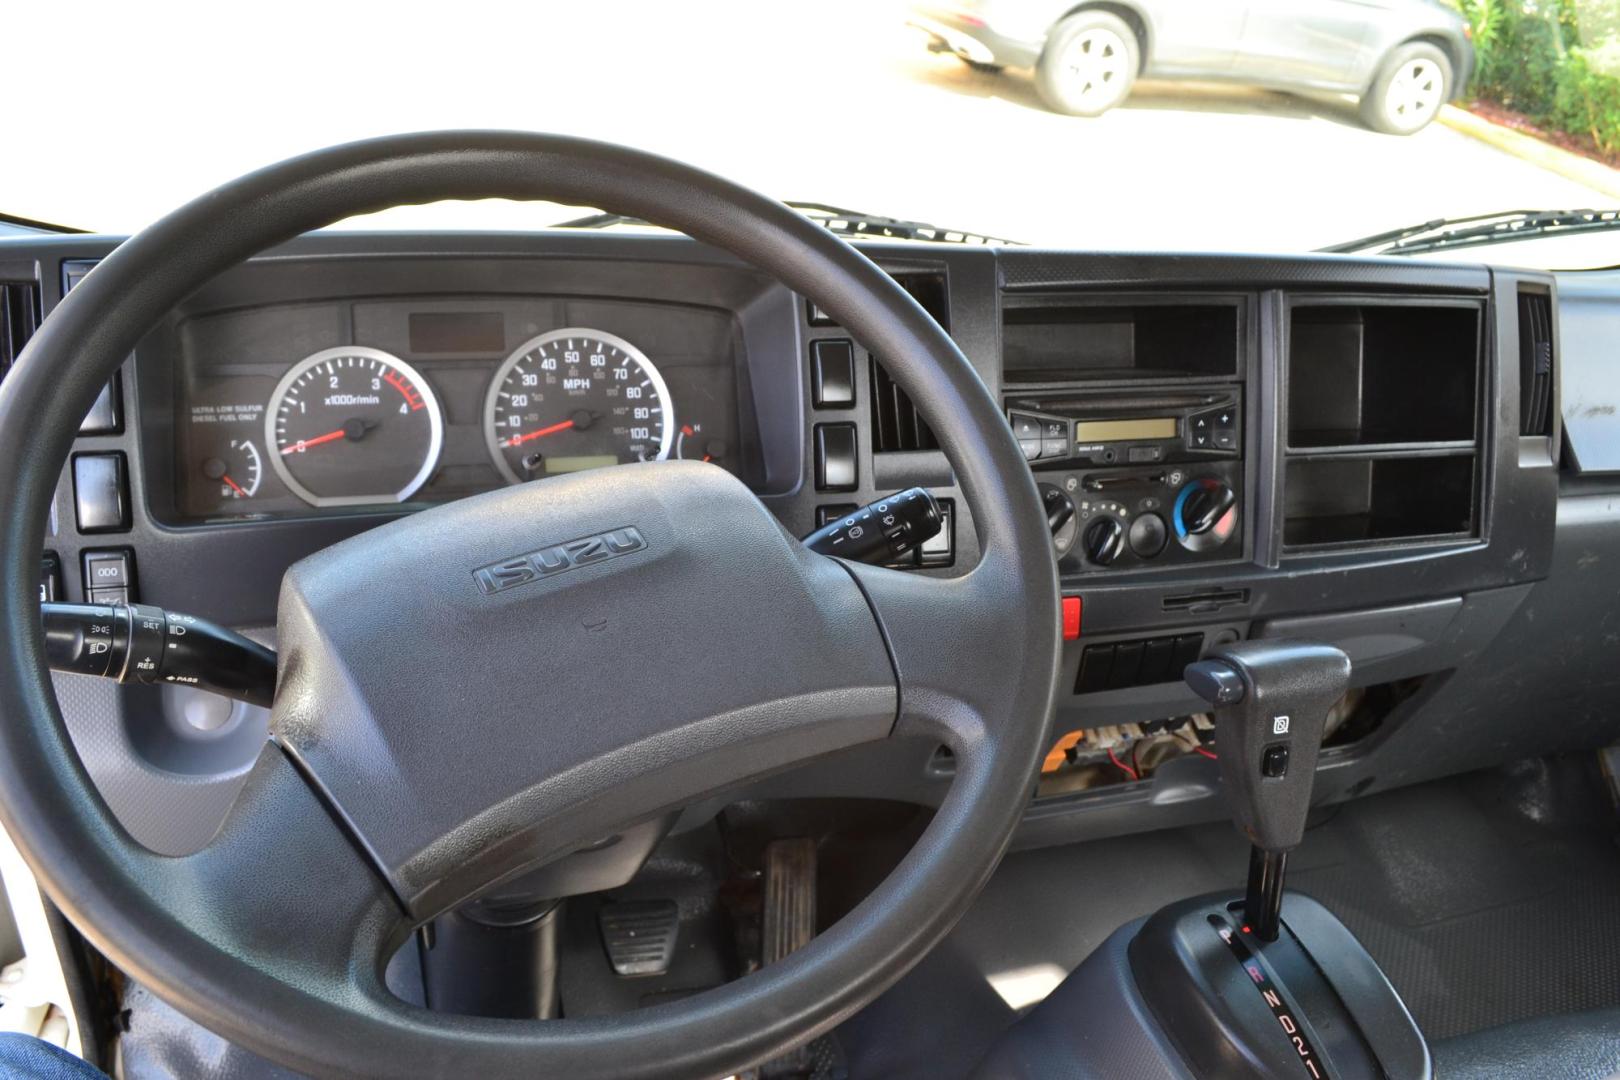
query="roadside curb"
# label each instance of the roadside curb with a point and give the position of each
(1583, 171)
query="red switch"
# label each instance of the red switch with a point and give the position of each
(1071, 618)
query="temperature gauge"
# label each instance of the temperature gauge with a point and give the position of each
(692, 445)
(236, 470)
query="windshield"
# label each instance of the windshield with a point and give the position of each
(1187, 125)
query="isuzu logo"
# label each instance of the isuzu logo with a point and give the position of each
(550, 561)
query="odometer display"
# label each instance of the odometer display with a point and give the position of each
(353, 426)
(576, 398)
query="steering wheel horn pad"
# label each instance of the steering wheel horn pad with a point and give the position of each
(469, 726)
(438, 730)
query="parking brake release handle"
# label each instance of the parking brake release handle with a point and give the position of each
(1270, 701)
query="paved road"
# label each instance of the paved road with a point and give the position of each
(847, 109)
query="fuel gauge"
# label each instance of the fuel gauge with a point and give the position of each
(692, 445)
(236, 470)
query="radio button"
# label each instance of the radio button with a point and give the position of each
(1027, 430)
(1199, 434)
(1225, 439)
(1054, 439)
(1144, 453)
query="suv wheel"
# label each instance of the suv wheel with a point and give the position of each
(1089, 64)
(1409, 90)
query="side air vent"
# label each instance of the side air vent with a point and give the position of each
(1535, 363)
(19, 318)
(896, 424)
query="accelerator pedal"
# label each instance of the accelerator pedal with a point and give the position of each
(790, 898)
(640, 935)
(789, 922)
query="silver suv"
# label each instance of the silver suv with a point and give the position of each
(1402, 58)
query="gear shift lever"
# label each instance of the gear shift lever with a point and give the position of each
(1271, 701)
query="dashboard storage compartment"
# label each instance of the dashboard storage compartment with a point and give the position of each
(1351, 500)
(1384, 421)
(1066, 340)
(1365, 374)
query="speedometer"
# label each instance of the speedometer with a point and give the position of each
(576, 399)
(353, 426)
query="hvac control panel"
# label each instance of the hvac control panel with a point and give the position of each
(1135, 480)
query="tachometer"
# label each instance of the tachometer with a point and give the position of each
(575, 399)
(353, 426)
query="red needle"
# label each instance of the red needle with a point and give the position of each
(234, 488)
(305, 444)
(518, 440)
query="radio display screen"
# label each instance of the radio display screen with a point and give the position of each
(1094, 431)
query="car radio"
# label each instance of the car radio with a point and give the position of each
(1128, 428)
(1136, 480)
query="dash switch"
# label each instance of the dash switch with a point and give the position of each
(1071, 618)
(832, 373)
(835, 457)
(100, 492)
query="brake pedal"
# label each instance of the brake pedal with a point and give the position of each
(640, 935)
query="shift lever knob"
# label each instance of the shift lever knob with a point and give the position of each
(1271, 700)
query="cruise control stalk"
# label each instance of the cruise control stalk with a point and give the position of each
(138, 643)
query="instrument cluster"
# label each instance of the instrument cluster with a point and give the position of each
(381, 403)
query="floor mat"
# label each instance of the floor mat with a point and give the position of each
(1487, 898)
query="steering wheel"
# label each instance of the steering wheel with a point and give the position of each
(412, 766)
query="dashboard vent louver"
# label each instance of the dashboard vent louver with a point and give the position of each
(896, 424)
(1535, 363)
(19, 318)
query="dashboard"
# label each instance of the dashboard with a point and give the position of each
(1360, 450)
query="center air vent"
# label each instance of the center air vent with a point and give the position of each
(1535, 363)
(19, 318)
(896, 424)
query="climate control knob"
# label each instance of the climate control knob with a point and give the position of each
(1060, 518)
(1205, 514)
(1147, 535)
(1103, 541)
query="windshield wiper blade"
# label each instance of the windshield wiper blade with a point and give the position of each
(32, 225)
(847, 222)
(834, 219)
(1481, 229)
